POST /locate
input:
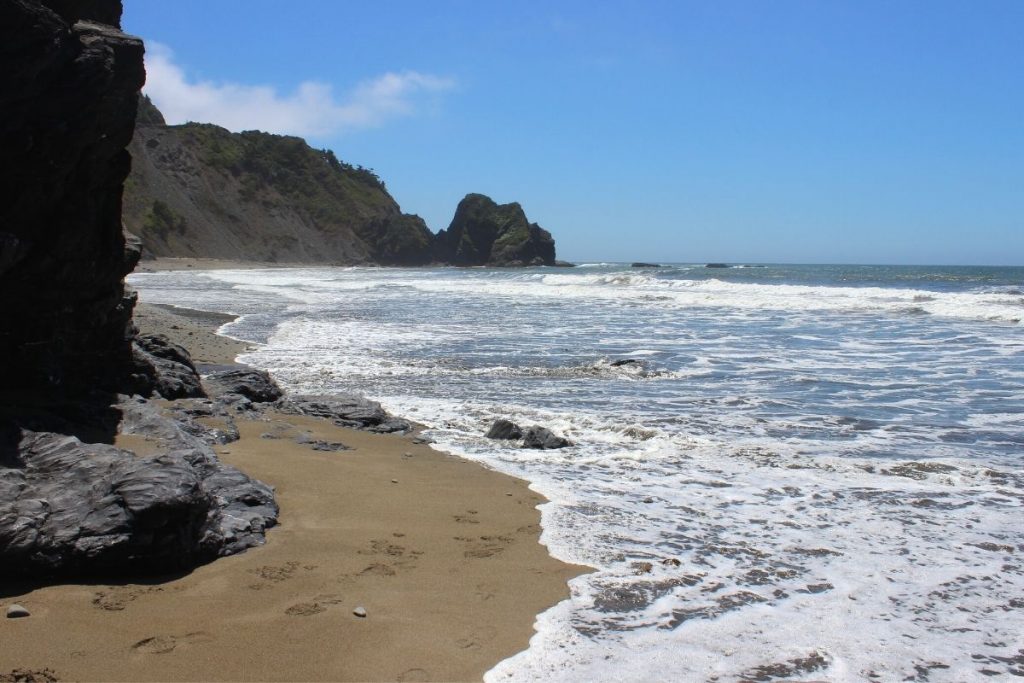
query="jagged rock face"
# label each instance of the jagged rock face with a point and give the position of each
(68, 94)
(202, 191)
(484, 233)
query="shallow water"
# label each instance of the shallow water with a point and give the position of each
(809, 472)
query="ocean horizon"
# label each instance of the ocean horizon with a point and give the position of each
(777, 471)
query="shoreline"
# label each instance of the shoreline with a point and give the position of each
(443, 554)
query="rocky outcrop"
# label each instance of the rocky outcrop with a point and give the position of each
(484, 233)
(166, 367)
(202, 191)
(68, 92)
(346, 411)
(70, 508)
(254, 385)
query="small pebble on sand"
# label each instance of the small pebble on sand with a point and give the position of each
(16, 611)
(359, 612)
(394, 481)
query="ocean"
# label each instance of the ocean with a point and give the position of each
(799, 472)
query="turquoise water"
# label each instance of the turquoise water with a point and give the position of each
(806, 469)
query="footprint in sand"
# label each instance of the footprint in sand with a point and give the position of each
(413, 675)
(485, 591)
(274, 574)
(161, 645)
(379, 569)
(38, 676)
(484, 546)
(466, 518)
(476, 639)
(116, 598)
(402, 556)
(308, 609)
(305, 609)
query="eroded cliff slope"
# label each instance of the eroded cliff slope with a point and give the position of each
(200, 190)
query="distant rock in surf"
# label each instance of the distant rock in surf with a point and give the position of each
(718, 265)
(533, 437)
(542, 437)
(504, 429)
(641, 264)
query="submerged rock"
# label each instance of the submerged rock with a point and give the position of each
(641, 264)
(504, 429)
(718, 265)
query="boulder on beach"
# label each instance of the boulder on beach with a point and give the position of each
(168, 368)
(255, 385)
(72, 508)
(346, 411)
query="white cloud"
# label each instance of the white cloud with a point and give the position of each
(311, 110)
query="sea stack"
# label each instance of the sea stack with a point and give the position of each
(484, 233)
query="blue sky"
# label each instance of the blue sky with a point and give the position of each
(840, 132)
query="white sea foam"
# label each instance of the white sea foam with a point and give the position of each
(842, 494)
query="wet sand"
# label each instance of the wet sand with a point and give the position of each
(442, 553)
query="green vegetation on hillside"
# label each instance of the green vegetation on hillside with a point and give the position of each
(162, 220)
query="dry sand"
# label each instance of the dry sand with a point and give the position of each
(443, 555)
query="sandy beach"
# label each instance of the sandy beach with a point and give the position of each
(441, 553)
(162, 263)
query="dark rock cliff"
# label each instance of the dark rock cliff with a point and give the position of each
(67, 110)
(71, 503)
(485, 233)
(200, 190)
